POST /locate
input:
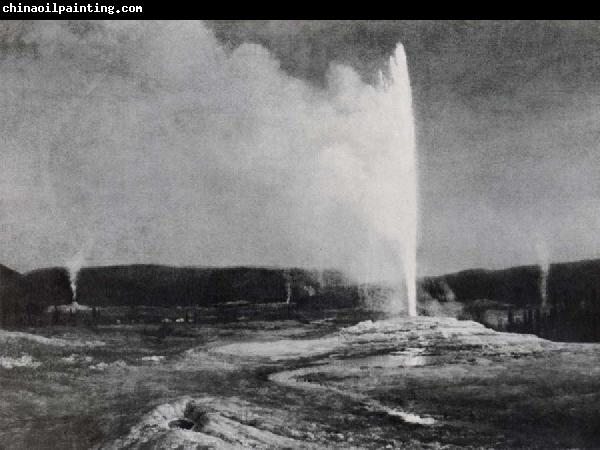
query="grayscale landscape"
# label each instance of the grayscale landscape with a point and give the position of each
(299, 234)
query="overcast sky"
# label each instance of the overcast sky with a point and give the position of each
(208, 144)
(508, 128)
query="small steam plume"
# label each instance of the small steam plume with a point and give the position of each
(544, 262)
(288, 286)
(74, 265)
(544, 270)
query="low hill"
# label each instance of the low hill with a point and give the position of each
(156, 285)
(572, 285)
(159, 285)
(12, 293)
(48, 286)
(569, 285)
(516, 285)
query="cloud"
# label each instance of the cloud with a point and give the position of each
(158, 144)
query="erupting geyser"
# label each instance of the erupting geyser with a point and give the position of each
(397, 215)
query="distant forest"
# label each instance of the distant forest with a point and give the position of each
(573, 291)
(23, 297)
(571, 311)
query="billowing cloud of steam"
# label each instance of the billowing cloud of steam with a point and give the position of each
(159, 145)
